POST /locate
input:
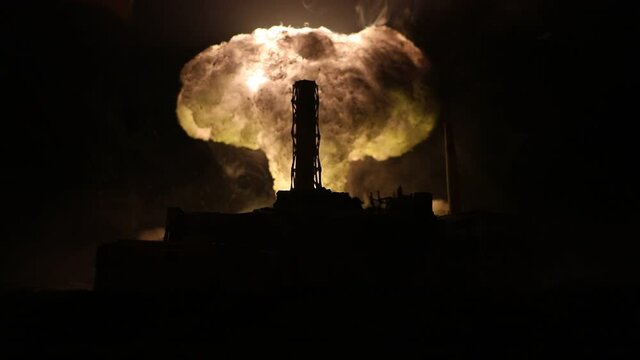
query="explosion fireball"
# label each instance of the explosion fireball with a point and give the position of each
(373, 100)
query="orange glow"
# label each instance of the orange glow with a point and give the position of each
(373, 101)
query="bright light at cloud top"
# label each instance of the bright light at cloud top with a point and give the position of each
(373, 101)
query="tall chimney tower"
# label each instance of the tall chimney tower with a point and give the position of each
(306, 172)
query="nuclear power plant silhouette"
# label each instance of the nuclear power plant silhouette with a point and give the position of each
(312, 237)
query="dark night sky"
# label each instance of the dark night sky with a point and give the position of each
(538, 92)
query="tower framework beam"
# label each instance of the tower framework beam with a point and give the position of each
(306, 171)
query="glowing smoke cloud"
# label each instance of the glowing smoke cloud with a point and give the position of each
(372, 98)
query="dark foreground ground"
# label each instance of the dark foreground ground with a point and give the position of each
(442, 324)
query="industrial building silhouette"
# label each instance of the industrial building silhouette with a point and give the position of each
(312, 237)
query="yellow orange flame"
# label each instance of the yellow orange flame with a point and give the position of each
(373, 100)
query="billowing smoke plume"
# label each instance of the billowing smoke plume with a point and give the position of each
(398, 14)
(372, 96)
(373, 12)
